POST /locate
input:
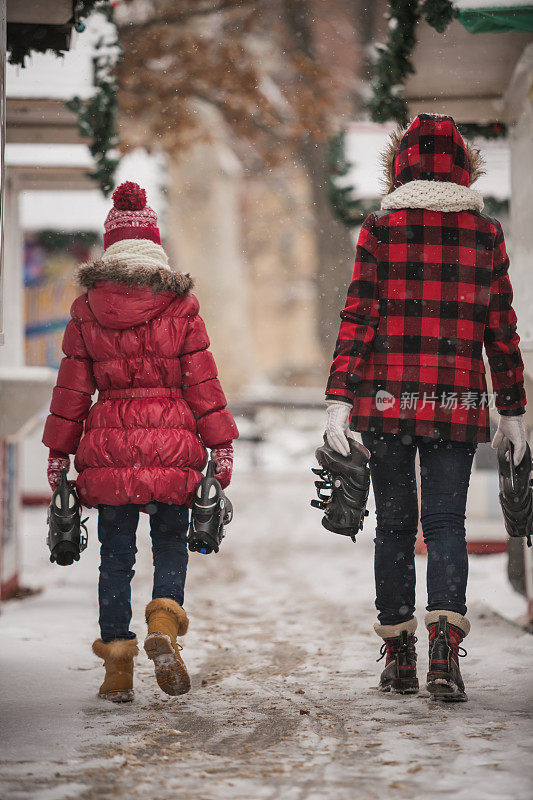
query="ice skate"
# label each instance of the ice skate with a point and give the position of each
(447, 630)
(118, 662)
(211, 512)
(516, 496)
(343, 488)
(399, 675)
(166, 620)
(67, 532)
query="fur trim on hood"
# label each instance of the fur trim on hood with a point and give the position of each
(387, 160)
(159, 279)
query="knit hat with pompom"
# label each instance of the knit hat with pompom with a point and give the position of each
(130, 217)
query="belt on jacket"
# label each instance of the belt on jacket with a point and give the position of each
(139, 391)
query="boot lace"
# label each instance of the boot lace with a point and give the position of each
(385, 646)
(382, 651)
(454, 645)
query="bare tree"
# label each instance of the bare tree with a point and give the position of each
(334, 244)
(233, 55)
(267, 66)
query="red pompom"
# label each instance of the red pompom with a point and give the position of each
(129, 197)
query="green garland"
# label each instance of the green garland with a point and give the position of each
(439, 14)
(349, 210)
(97, 116)
(495, 207)
(23, 40)
(394, 65)
(491, 130)
(59, 241)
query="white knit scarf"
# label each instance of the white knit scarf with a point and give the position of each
(136, 253)
(435, 196)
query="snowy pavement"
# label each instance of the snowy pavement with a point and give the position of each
(282, 656)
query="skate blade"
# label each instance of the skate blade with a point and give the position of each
(123, 696)
(171, 674)
(445, 691)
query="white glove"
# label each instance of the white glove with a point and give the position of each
(337, 426)
(513, 429)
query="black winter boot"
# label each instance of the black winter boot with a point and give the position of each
(447, 629)
(399, 675)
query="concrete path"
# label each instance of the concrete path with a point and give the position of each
(283, 662)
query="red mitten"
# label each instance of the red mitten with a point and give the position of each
(56, 462)
(223, 458)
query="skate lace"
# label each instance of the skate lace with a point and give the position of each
(84, 534)
(324, 488)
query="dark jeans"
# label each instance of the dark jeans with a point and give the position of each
(445, 468)
(117, 526)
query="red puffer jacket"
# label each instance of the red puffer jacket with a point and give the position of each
(138, 339)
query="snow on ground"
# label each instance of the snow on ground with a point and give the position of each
(282, 656)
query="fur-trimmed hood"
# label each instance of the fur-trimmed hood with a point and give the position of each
(430, 149)
(122, 295)
(159, 279)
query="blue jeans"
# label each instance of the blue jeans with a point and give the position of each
(117, 526)
(445, 468)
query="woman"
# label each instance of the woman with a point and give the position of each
(137, 337)
(430, 288)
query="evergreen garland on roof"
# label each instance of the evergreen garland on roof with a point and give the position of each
(24, 40)
(394, 62)
(348, 209)
(97, 116)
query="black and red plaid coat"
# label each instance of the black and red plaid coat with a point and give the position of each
(429, 290)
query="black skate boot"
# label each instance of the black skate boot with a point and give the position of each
(67, 531)
(399, 675)
(211, 512)
(444, 680)
(516, 496)
(343, 488)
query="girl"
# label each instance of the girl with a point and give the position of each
(137, 337)
(430, 288)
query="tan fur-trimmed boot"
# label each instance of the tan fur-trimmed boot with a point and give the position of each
(118, 662)
(166, 620)
(446, 629)
(399, 675)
